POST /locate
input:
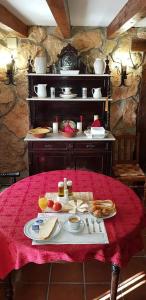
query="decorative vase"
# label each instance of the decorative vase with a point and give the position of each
(99, 66)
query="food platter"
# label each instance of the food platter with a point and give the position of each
(102, 209)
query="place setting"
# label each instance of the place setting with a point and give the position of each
(65, 214)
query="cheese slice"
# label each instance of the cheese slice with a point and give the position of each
(47, 227)
(79, 202)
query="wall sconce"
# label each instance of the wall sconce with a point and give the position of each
(123, 75)
(12, 46)
(10, 72)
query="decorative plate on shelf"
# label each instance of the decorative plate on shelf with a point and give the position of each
(67, 122)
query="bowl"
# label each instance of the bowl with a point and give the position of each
(40, 132)
(68, 134)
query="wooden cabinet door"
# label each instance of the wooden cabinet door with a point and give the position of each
(46, 161)
(93, 162)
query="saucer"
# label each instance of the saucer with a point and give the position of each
(67, 227)
(68, 96)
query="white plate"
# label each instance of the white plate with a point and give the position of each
(35, 235)
(67, 227)
(69, 72)
(105, 217)
(69, 96)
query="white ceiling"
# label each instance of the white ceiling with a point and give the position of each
(82, 12)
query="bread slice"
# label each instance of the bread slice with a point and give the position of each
(47, 227)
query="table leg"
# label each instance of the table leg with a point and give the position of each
(8, 288)
(114, 281)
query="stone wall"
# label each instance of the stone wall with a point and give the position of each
(91, 43)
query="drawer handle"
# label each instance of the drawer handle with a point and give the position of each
(48, 146)
(90, 146)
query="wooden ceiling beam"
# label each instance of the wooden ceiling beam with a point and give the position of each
(138, 45)
(59, 9)
(8, 19)
(130, 14)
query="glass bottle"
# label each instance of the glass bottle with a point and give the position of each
(61, 189)
(69, 187)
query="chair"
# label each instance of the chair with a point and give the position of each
(125, 163)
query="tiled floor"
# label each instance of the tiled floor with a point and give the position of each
(75, 281)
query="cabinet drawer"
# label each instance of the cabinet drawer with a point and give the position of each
(90, 145)
(50, 145)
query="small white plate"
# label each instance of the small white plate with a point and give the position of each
(69, 96)
(67, 227)
(35, 235)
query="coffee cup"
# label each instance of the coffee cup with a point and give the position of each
(40, 90)
(74, 222)
(66, 90)
(40, 64)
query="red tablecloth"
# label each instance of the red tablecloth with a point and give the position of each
(19, 204)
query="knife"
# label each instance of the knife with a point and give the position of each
(87, 222)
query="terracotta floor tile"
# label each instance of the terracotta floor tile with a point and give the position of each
(135, 266)
(97, 291)
(34, 273)
(138, 292)
(68, 291)
(96, 271)
(31, 291)
(67, 272)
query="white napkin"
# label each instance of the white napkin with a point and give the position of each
(83, 237)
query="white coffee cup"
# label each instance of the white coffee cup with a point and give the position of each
(66, 90)
(40, 64)
(74, 222)
(40, 90)
(96, 92)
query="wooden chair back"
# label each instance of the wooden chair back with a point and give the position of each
(126, 149)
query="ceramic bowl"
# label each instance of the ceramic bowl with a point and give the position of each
(68, 134)
(40, 132)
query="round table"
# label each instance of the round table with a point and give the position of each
(19, 204)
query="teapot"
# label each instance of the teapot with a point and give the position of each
(96, 92)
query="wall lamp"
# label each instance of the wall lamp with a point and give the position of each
(10, 72)
(123, 75)
(10, 68)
